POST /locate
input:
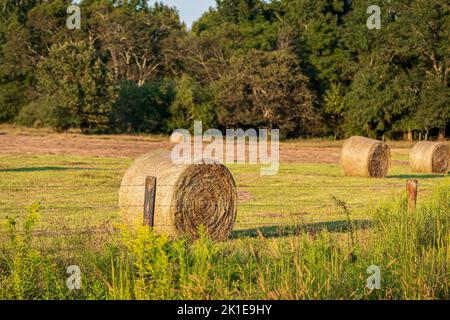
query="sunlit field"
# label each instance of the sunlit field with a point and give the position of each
(306, 233)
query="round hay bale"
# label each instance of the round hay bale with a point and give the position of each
(187, 196)
(364, 157)
(430, 157)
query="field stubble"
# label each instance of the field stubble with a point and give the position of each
(291, 239)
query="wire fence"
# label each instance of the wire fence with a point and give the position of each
(70, 203)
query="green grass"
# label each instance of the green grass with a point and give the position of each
(292, 240)
(81, 192)
(412, 251)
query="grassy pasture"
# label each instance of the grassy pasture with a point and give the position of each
(291, 239)
(81, 192)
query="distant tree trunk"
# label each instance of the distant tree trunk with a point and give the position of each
(420, 136)
(441, 135)
(410, 136)
(426, 135)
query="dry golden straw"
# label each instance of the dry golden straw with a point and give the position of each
(430, 157)
(364, 157)
(187, 196)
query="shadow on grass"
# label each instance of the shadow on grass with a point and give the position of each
(292, 230)
(417, 176)
(37, 169)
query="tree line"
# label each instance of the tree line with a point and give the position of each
(308, 67)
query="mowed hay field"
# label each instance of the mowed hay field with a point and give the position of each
(293, 238)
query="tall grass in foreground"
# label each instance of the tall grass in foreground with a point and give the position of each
(412, 250)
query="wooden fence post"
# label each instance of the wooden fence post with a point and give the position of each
(411, 188)
(149, 202)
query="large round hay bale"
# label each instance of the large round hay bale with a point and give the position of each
(429, 157)
(187, 196)
(364, 157)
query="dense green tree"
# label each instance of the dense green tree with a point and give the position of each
(280, 63)
(267, 89)
(27, 31)
(202, 58)
(16, 9)
(38, 113)
(334, 103)
(404, 65)
(14, 70)
(131, 37)
(76, 79)
(425, 28)
(192, 103)
(142, 108)
(239, 25)
(380, 99)
(318, 36)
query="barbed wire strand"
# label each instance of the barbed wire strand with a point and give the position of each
(93, 187)
(114, 188)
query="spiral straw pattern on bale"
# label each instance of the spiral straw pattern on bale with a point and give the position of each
(364, 157)
(187, 196)
(430, 157)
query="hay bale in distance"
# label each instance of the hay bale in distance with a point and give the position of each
(430, 157)
(364, 157)
(187, 196)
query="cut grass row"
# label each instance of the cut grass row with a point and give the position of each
(291, 240)
(411, 250)
(81, 192)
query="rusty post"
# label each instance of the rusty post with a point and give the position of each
(411, 188)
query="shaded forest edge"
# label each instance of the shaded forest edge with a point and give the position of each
(309, 68)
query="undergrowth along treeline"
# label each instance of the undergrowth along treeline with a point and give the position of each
(308, 67)
(412, 250)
